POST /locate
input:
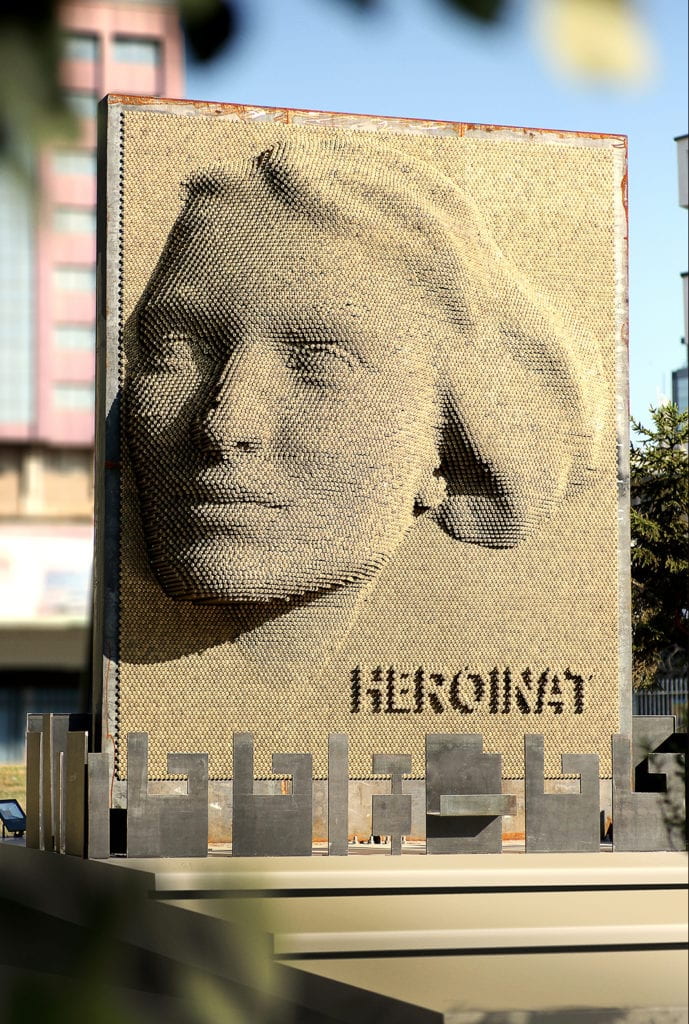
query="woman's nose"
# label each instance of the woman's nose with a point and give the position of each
(245, 403)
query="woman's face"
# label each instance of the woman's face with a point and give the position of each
(280, 413)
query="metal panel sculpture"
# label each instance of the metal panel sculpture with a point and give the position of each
(561, 822)
(464, 803)
(391, 812)
(166, 825)
(265, 825)
(642, 820)
(463, 799)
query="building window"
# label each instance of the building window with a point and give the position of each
(83, 104)
(74, 161)
(133, 50)
(78, 46)
(75, 337)
(73, 220)
(73, 397)
(680, 388)
(25, 692)
(17, 301)
(74, 279)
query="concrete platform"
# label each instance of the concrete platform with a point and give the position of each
(506, 939)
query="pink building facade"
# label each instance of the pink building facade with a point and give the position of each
(109, 47)
(47, 357)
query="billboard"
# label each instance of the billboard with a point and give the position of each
(363, 430)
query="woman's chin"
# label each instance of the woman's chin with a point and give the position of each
(205, 585)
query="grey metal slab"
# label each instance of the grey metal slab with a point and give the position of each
(75, 793)
(48, 789)
(391, 812)
(338, 794)
(644, 821)
(476, 804)
(59, 728)
(267, 825)
(648, 733)
(456, 766)
(53, 749)
(34, 789)
(98, 806)
(174, 825)
(561, 822)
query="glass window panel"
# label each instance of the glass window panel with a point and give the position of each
(74, 279)
(133, 50)
(17, 301)
(79, 46)
(72, 220)
(83, 104)
(79, 337)
(73, 397)
(680, 389)
(74, 161)
(23, 692)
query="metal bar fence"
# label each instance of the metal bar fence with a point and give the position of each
(668, 697)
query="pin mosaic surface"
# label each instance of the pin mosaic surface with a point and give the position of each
(366, 445)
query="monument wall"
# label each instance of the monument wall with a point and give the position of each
(362, 436)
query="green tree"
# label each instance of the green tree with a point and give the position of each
(659, 501)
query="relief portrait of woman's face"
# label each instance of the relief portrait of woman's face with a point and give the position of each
(330, 347)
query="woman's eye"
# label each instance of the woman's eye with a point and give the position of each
(172, 352)
(322, 363)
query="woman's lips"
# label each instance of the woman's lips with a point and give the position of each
(229, 506)
(233, 512)
(226, 493)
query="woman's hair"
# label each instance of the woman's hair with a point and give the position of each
(520, 388)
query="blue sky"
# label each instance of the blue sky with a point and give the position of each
(415, 58)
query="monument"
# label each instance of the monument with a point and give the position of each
(362, 556)
(362, 386)
(362, 489)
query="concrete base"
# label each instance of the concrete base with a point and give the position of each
(590, 938)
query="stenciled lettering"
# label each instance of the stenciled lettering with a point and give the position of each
(390, 690)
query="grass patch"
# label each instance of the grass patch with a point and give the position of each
(13, 783)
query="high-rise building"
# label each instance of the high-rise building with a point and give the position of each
(47, 336)
(680, 377)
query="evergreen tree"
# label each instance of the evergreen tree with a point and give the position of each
(659, 503)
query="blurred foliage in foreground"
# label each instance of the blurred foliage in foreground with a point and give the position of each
(590, 40)
(659, 504)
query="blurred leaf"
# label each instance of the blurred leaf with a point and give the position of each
(361, 5)
(483, 10)
(209, 25)
(595, 39)
(32, 107)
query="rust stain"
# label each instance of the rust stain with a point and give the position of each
(624, 185)
(286, 115)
